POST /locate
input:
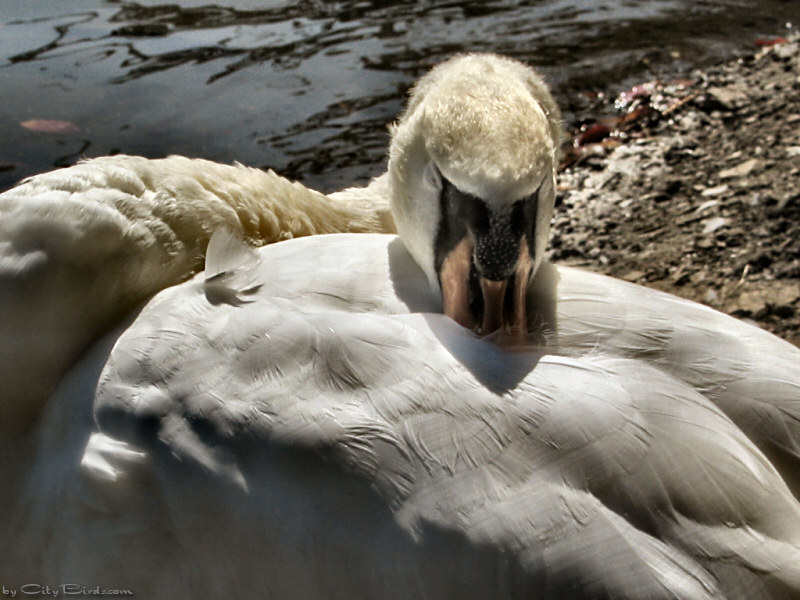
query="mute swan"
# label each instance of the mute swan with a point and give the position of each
(302, 421)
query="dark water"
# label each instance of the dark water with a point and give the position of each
(308, 87)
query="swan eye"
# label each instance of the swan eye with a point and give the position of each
(452, 220)
(469, 211)
(432, 177)
(526, 218)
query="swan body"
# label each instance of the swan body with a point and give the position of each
(316, 428)
(344, 416)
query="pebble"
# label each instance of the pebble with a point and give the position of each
(704, 201)
(725, 98)
(776, 296)
(713, 224)
(706, 205)
(741, 170)
(714, 191)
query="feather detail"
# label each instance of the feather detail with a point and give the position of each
(81, 247)
(340, 426)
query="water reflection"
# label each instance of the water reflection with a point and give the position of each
(308, 87)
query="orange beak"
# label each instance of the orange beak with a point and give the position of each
(481, 304)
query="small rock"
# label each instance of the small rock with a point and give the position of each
(741, 170)
(785, 51)
(681, 278)
(706, 205)
(778, 294)
(793, 151)
(634, 276)
(714, 191)
(734, 155)
(725, 98)
(711, 225)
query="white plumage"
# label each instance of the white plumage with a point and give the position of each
(301, 421)
(80, 248)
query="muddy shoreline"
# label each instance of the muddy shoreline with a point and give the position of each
(692, 186)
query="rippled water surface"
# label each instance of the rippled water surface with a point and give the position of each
(308, 87)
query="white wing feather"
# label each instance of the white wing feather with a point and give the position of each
(82, 247)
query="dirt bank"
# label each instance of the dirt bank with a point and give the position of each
(694, 188)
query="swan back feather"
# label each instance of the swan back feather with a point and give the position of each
(334, 418)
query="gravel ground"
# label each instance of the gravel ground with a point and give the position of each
(692, 187)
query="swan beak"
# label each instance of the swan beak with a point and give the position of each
(484, 255)
(504, 302)
(482, 304)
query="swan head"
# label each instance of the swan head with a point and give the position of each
(472, 184)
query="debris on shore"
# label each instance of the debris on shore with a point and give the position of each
(695, 189)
